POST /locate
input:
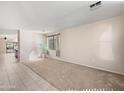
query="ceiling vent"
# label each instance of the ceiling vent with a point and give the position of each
(95, 5)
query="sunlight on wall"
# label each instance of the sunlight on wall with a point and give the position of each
(35, 51)
(105, 47)
(34, 55)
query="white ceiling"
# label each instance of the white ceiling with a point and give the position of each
(54, 16)
(8, 31)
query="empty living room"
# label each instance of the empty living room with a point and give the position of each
(62, 46)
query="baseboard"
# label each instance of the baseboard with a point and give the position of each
(69, 61)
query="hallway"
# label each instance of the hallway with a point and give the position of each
(16, 76)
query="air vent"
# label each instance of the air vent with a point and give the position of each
(95, 5)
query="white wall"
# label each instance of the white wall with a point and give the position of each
(2, 46)
(99, 45)
(29, 41)
(10, 37)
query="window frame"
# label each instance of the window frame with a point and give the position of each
(53, 38)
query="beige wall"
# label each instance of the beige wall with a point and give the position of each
(2, 46)
(99, 45)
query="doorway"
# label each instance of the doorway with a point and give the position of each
(9, 43)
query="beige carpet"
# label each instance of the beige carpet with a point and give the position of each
(68, 76)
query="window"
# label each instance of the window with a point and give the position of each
(11, 46)
(52, 41)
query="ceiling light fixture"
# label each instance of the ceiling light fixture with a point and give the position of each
(95, 5)
(5, 38)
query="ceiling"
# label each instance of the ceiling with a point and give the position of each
(8, 31)
(53, 15)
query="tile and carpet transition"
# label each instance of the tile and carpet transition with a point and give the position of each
(69, 76)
